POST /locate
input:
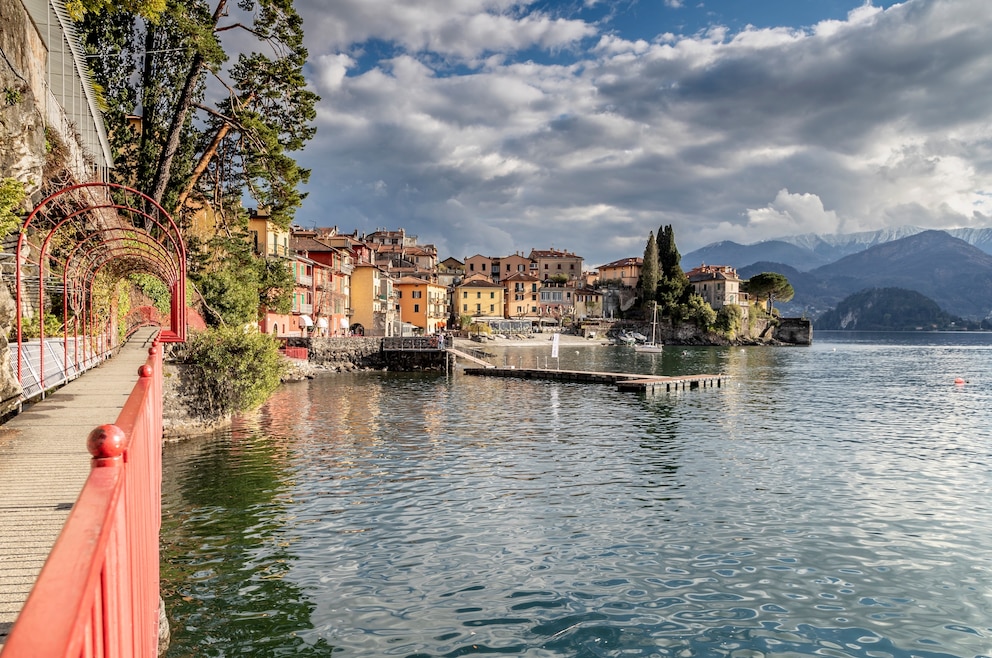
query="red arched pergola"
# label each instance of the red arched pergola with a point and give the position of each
(85, 234)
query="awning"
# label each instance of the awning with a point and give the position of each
(344, 323)
(322, 323)
(306, 321)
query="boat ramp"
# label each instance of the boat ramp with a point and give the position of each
(626, 382)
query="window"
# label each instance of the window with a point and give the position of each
(492, 308)
(416, 308)
(471, 267)
(465, 307)
(399, 294)
(492, 295)
(571, 266)
(483, 267)
(417, 294)
(465, 294)
(545, 266)
(478, 308)
(478, 295)
(559, 266)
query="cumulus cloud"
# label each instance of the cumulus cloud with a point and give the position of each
(855, 124)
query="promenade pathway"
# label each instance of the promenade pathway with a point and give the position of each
(44, 464)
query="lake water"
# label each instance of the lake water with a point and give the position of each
(831, 500)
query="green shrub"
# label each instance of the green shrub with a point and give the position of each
(228, 370)
(30, 328)
(729, 320)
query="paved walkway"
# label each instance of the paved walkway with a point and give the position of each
(44, 463)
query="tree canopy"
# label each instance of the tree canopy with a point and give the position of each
(214, 128)
(770, 286)
(205, 102)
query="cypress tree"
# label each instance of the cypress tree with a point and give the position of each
(673, 284)
(649, 270)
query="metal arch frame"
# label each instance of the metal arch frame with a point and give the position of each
(122, 231)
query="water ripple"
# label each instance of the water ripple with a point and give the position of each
(831, 502)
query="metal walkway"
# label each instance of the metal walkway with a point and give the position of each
(44, 463)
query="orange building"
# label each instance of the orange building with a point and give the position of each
(422, 303)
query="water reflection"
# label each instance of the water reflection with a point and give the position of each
(831, 500)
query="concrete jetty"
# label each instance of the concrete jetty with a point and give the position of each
(44, 464)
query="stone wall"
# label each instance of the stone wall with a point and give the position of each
(340, 351)
(794, 331)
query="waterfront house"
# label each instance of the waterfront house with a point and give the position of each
(626, 272)
(557, 301)
(450, 271)
(521, 290)
(479, 297)
(552, 262)
(588, 303)
(267, 237)
(479, 264)
(373, 302)
(422, 303)
(401, 255)
(718, 285)
(332, 288)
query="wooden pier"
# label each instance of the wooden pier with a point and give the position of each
(627, 382)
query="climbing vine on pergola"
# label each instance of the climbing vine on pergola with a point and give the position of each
(94, 231)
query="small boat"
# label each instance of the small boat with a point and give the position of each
(624, 338)
(651, 346)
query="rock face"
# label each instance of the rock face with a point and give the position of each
(10, 388)
(22, 126)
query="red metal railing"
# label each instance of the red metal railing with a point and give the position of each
(295, 352)
(98, 593)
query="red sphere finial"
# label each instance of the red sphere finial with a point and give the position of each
(106, 441)
(145, 371)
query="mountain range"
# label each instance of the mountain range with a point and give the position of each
(951, 267)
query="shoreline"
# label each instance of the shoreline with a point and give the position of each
(537, 340)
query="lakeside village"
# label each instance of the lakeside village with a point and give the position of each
(386, 284)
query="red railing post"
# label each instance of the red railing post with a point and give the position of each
(97, 595)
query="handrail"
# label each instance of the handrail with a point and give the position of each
(97, 595)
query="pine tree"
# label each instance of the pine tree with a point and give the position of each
(190, 152)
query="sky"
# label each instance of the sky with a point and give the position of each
(499, 126)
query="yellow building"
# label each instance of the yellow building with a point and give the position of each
(422, 304)
(267, 238)
(372, 301)
(479, 297)
(627, 271)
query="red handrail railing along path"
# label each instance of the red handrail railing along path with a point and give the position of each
(98, 593)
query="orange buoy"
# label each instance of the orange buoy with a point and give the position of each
(959, 381)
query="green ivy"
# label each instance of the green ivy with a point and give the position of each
(12, 195)
(30, 327)
(154, 289)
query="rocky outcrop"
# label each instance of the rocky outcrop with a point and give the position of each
(22, 125)
(10, 388)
